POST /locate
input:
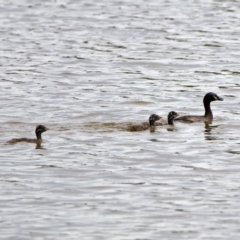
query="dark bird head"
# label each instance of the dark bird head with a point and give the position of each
(171, 116)
(153, 118)
(39, 130)
(209, 97)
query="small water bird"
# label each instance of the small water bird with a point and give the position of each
(39, 130)
(208, 116)
(145, 125)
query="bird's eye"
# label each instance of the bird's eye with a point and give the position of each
(215, 97)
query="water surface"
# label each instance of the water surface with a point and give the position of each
(85, 69)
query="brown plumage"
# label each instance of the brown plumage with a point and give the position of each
(39, 130)
(145, 125)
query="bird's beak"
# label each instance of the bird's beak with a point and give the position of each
(220, 99)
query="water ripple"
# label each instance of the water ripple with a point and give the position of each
(87, 70)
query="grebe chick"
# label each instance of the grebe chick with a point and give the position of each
(145, 125)
(208, 116)
(39, 130)
(171, 116)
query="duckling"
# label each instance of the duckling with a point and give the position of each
(208, 116)
(171, 116)
(145, 125)
(39, 130)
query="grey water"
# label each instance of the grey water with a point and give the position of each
(85, 69)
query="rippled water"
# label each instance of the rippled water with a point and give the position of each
(85, 69)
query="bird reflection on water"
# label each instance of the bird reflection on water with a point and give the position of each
(39, 146)
(208, 132)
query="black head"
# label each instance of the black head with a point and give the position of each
(39, 130)
(209, 97)
(153, 118)
(171, 116)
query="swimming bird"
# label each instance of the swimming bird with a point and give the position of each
(208, 116)
(145, 125)
(39, 130)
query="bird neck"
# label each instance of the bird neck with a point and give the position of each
(208, 111)
(170, 120)
(39, 136)
(151, 123)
